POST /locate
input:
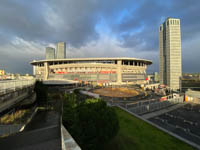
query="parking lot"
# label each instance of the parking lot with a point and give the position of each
(184, 121)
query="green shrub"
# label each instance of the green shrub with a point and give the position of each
(91, 123)
(91, 100)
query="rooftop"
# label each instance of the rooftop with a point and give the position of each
(93, 59)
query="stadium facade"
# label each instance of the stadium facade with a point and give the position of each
(100, 70)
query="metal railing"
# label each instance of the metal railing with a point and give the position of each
(146, 108)
(12, 85)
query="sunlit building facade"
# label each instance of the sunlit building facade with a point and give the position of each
(100, 70)
(170, 53)
(61, 50)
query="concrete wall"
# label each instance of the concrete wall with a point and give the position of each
(11, 98)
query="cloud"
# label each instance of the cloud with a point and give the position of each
(16, 55)
(76, 21)
(142, 24)
(92, 28)
(24, 20)
(191, 55)
(111, 47)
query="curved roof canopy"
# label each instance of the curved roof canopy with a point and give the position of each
(148, 62)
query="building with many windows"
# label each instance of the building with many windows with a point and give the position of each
(100, 70)
(61, 50)
(170, 53)
(50, 53)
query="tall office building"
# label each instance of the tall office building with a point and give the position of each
(156, 77)
(50, 53)
(170, 53)
(61, 50)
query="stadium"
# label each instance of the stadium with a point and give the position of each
(93, 70)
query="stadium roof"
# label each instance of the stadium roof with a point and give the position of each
(86, 59)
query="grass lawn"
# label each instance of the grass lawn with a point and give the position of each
(135, 134)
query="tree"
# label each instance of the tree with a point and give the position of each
(69, 104)
(41, 91)
(92, 124)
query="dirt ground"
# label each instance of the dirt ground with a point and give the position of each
(116, 92)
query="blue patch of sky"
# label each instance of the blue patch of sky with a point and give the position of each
(102, 27)
(123, 14)
(134, 31)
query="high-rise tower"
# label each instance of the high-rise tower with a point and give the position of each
(61, 50)
(170, 53)
(50, 53)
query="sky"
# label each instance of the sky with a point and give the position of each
(94, 28)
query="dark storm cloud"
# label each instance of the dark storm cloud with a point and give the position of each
(73, 21)
(47, 22)
(81, 17)
(133, 24)
(23, 19)
(16, 63)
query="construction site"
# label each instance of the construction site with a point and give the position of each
(117, 92)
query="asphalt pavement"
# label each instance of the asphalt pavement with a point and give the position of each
(42, 133)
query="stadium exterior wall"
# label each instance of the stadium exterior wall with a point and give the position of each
(95, 70)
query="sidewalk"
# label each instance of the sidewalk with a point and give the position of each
(162, 111)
